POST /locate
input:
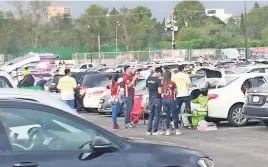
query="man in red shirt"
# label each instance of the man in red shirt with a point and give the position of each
(129, 92)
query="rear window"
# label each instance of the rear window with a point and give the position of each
(264, 86)
(4, 83)
(93, 80)
(228, 80)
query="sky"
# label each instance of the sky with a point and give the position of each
(160, 9)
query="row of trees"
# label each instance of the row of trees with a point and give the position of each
(136, 29)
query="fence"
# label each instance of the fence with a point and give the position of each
(172, 55)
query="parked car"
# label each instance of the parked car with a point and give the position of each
(252, 69)
(227, 95)
(256, 106)
(50, 99)
(82, 67)
(6, 80)
(91, 81)
(94, 94)
(40, 135)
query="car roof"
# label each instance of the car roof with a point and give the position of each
(42, 97)
(248, 75)
(18, 103)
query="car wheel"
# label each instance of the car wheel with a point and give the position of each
(236, 116)
(265, 123)
(214, 120)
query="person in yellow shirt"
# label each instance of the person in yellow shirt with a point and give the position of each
(66, 87)
(183, 83)
(26, 71)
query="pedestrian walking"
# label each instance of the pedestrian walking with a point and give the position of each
(183, 83)
(153, 84)
(66, 87)
(115, 89)
(169, 89)
(128, 84)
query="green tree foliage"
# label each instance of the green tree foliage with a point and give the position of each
(136, 29)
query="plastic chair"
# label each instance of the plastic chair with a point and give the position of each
(137, 112)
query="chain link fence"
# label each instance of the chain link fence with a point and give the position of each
(171, 55)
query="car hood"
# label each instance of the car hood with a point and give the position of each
(163, 152)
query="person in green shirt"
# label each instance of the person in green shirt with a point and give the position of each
(28, 83)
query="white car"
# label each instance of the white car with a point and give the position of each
(227, 94)
(93, 95)
(6, 81)
(46, 98)
(82, 67)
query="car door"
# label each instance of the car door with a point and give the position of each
(40, 138)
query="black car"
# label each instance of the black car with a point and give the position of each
(256, 105)
(36, 135)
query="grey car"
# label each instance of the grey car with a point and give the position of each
(256, 106)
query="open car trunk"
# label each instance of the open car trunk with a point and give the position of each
(214, 78)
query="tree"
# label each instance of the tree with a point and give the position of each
(190, 12)
(256, 5)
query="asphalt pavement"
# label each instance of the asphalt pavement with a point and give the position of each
(228, 146)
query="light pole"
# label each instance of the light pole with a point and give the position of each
(170, 25)
(116, 37)
(245, 25)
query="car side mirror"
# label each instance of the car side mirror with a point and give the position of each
(100, 144)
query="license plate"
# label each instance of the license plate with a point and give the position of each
(256, 99)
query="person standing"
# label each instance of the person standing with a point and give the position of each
(169, 90)
(129, 91)
(153, 84)
(183, 83)
(66, 87)
(115, 89)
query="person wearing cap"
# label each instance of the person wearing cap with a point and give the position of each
(128, 84)
(26, 71)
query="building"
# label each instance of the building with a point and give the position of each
(219, 13)
(58, 11)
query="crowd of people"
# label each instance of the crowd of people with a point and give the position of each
(66, 85)
(167, 92)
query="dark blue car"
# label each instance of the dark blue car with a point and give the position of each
(35, 135)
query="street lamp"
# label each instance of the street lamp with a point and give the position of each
(245, 25)
(116, 34)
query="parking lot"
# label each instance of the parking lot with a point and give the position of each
(228, 146)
